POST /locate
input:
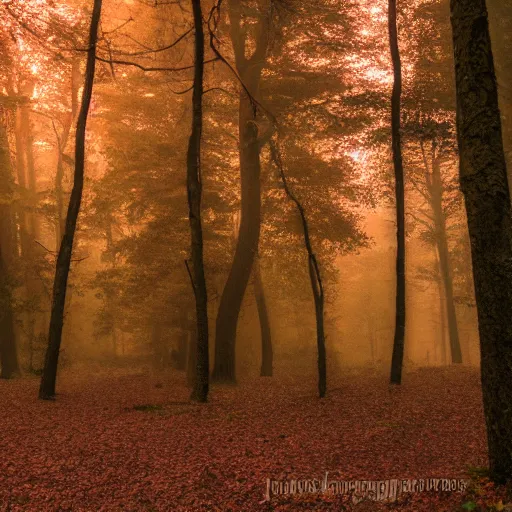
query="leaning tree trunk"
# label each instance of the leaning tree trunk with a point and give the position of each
(8, 352)
(398, 342)
(49, 376)
(483, 178)
(266, 336)
(314, 275)
(194, 190)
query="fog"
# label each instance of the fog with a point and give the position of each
(129, 296)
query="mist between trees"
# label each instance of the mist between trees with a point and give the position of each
(222, 181)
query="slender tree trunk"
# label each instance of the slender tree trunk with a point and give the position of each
(266, 337)
(49, 376)
(314, 276)
(194, 190)
(483, 177)
(110, 293)
(62, 141)
(249, 70)
(444, 261)
(398, 342)
(8, 351)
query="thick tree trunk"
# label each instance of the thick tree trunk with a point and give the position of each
(247, 245)
(8, 351)
(483, 177)
(398, 342)
(444, 262)
(266, 337)
(49, 376)
(194, 190)
(249, 70)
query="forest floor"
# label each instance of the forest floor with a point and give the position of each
(122, 440)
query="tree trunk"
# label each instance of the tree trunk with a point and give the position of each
(247, 245)
(266, 338)
(32, 252)
(49, 376)
(398, 342)
(444, 261)
(249, 70)
(194, 190)
(110, 293)
(314, 276)
(442, 315)
(62, 141)
(483, 177)
(8, 351)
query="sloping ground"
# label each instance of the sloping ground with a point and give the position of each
(121, 441)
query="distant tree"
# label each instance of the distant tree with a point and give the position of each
(49, 375)
(398, 343)
(483, 177)
(429, 145)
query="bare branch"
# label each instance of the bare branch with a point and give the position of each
(148, 69)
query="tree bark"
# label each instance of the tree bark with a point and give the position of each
(49, 376)
(249, 70)
(194, 190)
(483, 178)
(398, 342)
(266, 336)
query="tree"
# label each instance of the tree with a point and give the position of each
(49, 376)
(483, 177)
(194, 187)
(249, 70)
(314, 275)
(8, 350)
(267, 355)
(429, 144)
(398, 343)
